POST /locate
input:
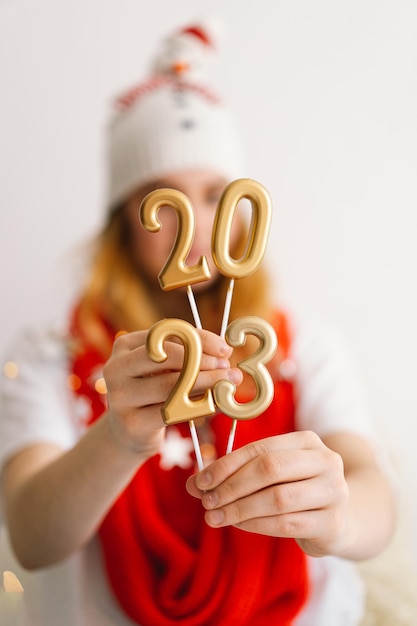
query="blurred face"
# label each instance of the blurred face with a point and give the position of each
(151, 250)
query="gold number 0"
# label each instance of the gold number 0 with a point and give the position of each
(258, 230)
(175, 273)
(179, 407)
(254, 365)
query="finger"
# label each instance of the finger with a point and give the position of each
(129, 341)
(303, 526)
(211, 343)
(214, 344)
(303, 495)
(155, 389)
(229, 464)
(205, 380)
(285, 467)
(136, 363)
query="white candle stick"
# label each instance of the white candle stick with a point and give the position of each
(196, 444)
(231, 439)
(227, 305)
(225, 321)
(193, 305)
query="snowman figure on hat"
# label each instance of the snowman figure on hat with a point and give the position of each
(188, 52)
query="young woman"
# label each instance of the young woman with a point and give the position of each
(106, 511)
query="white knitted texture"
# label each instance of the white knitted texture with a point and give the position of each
(167, 130)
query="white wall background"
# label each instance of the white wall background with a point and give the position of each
(326, 92)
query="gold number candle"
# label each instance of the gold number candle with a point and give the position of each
(254, 365)
(258, 230)
(179, 407)
(175, 273)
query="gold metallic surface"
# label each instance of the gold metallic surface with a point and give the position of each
(179, 407)
(258, 229)
(175, 273)
(254, 365)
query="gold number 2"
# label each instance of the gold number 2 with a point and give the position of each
(179, 407)
(175, 273)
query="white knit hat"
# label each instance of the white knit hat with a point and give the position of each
(171, 122)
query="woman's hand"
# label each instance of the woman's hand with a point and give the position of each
(293, 485)
(137, 386)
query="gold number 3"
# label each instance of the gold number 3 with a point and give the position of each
(224, 390)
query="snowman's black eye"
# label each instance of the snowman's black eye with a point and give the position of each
(187, 124)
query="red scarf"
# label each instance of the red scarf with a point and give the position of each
(166, 566)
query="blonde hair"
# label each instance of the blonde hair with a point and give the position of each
(115, 295)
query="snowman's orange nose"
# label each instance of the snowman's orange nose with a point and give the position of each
(180, 67)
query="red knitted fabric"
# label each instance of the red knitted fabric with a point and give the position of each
(166, 566)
